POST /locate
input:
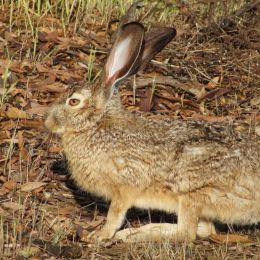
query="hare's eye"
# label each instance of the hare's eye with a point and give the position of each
(74, 102)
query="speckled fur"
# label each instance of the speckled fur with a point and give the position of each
(201, 171)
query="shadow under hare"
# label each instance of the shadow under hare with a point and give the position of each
(201, 171)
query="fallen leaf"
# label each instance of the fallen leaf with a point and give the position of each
(54, 87)
(10, 36)
(49, 79)
(213, 82)
(229, 238)
(97, 221)
(20, 91)
(255, 102)
(20, 139)
(214, 94)
(30, 252)
(31, 123)
(51, 20)
(192, 87)
(4, 135)
(13, 112)
(55, 148)
(13, 205)
(64, 75)
(102, 34)
(210, 118)
(29, 186)
(7, 125)
(2, 211)
(10, 185)
(51, 36)
(13, 66)
(24, 154)
(71, 251)
(67, 210)
(146, 101)
(257, 130)
(37, 109)
(40, 67)
(38, 190)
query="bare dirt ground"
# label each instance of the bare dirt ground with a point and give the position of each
(210, 71)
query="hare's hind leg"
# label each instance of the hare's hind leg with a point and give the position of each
(185, 230)
(148, 232)
(188, 218)
(160, 231)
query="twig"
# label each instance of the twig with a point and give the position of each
(193, 88)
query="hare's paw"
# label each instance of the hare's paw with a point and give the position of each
(101, 236)
(205, 229)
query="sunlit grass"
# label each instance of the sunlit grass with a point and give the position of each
(6, 88)
(29, 17)
(68, 11)
(91, 61)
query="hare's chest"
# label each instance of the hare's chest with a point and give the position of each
(89, 177)
(86, 165)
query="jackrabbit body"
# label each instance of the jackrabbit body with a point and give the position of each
(201, 171)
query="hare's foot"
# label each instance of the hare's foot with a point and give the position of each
(115, 217)
(149, 232)
(205, 229)
(161, 231)
(103, 234)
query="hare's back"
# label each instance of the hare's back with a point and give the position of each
(206, 154)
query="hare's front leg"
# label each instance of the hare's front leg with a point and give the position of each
(205, 229)
(115, 217)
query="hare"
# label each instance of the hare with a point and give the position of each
(201, 171)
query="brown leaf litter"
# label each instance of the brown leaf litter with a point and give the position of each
(210, 72)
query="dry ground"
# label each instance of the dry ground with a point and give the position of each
(209, 72)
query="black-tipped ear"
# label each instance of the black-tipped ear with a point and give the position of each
(154, 42)
(129, 16)
(124, 57)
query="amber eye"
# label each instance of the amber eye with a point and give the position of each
(74, 102)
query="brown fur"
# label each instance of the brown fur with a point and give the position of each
(201, 171)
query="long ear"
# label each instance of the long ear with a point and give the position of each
(125, 56)
(129, 16)
(154, 42)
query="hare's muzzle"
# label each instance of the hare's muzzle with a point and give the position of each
(51, 121)
(48, 120)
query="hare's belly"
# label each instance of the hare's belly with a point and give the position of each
(232, 208)
(156, 198)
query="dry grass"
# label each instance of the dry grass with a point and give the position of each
(219, 65)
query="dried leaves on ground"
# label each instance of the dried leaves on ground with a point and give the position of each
(209, 72)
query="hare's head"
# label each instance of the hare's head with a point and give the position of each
(84, 106)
